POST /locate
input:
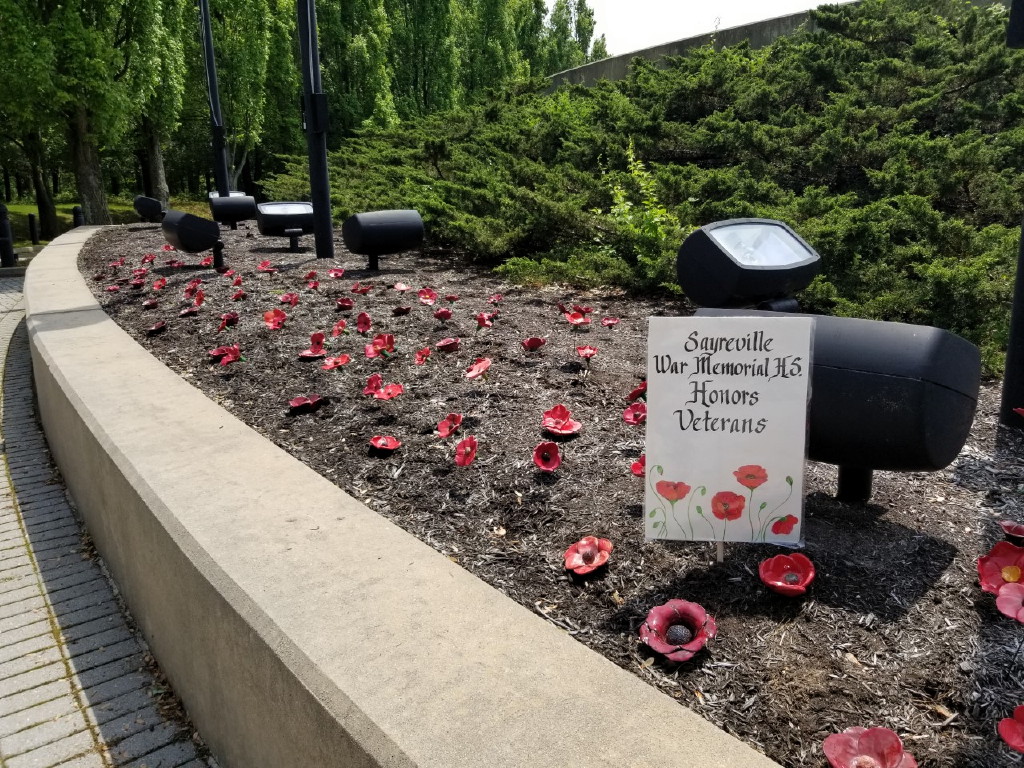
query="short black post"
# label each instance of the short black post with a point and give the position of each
(7, 256)
(218, 256)
(374, 263)
(293, 239)
(854, 484)
(1013, 376)
(33, 229)
(77, 216)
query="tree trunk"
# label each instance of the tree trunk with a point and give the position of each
(49, 227)
(153, 163)
(19, 186)
(55, 177)
(85, 158)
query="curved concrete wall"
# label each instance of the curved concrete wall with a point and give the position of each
(299, 627)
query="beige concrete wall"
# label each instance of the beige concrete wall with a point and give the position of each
(299, 627)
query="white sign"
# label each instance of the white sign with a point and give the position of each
(726, 428)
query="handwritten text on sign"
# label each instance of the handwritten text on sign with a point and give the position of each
(726, 427)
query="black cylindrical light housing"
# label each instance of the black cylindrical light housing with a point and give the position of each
(190, 233)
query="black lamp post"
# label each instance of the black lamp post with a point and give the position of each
(1013, 378)
(220, 158)
(314, 107)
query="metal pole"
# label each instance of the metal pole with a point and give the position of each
(33, 229)
(220, 157)
(314, 102)
(8, 258)
(1013, 378)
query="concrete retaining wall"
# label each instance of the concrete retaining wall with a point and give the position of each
(299, 627)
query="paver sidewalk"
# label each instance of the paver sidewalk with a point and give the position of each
(74, 689)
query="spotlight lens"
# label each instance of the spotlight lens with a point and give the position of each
(759, 245)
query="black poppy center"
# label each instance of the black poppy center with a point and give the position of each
(678, 634)
(589, 556)
(791, 578)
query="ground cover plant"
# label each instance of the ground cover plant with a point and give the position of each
(443, 415)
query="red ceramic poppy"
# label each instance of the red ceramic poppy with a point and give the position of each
(400, 311)
(236, 282)
(866, 748)
(751, 476)
(290, 298)
(383, 344)
(784, 525)
(671, 491)
(422, 355)
(150, 304)
(559, 421)
(228, 272)
(385, 442)
(363, 322)
(609, 322)
(587, 555)
(635, 414)
(311, 275)
(677, 629)
(443, 314)
(546, 457)
(167, 247)
(117, 263)
(189, 311)
(361, 289)
(427, 296)
(788, 575)
(373, 384)
(159, 283)
(344, 304)
(478, 368)
(1011, 729)
(586, 352)
(206, 262)
(484, 320)
(274, 318)
(305, 403)
(335, 362)
(577, 319)
(228, 318)
(495, 298)
(452, 297)
(1004, 564)
(582, 310)
(336, 273)
(389, 391)
(449, 424)
(226, 354)
(339, 328)
(140, 272)
(156, 328)
(1010, 601)
(112, 288)
(1010, 528)
(200, 298)
(726, 505)
(137, 284)
(313, 285)
(533, 343)
(465, 451)
(238, 295)
(316, 347)
(447, 345)
(400, 287)
(149, 258)
(265, 266)
(639, 467)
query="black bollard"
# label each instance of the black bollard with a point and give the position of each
(33, 229)
(77, 216)
(7, 256)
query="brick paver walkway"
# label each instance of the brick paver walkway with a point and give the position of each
(74, 690)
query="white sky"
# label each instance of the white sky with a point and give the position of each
(631, 25)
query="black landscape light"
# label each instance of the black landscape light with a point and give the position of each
(149, 208)
(743, 262)
(887, 396)
(232, 208)
(291, 220)
(193, 234)
(379, 233)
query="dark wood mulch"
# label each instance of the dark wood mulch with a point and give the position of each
(895, 632)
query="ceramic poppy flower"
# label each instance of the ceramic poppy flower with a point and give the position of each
(485, 319)
(577, 319)
(635, 414)
(362, 290)
(788, 575)
(167, 247)
(335, 362)
(672, 491)
(1011, 729)
(866, 748)
(339, 328)
(137, 283)
(191, 288)
(443, 314)
(383, 345)
(784, 525)
(465, 451)
(751, 476)
(156, 328)
(639, 467)
(533, 343)
(726, 505)
(290, 298)
(228, 272)
(316, 347)
(1010, 528)
(1010, 601)
(238, 295)
(313, 285)
(274, 319)
(311, 275)
(586, 352)
(266, 266)
(546, 457)
(1004, 564)
(373, 384)
(609, 322)
(400, 311)
(638, 392)
(363, 323)
(303, 404)
(206, 262)
(112, 288)
(159, 284)
(226, 354)
(453, 297)
(677, 629)
(335, 273)
(559, 421)
(117, 263)
(236, 282)
(200, 298)
(385, 443)
(149, 258)
(228, 318)
(422, 355)
(587, 555)
(495, 298)
(449, 424)
(401, 287)
(389, 391)
(344, 304)
(150, 304)
(478, 368)
(140, 272)
(582, 310)
(447, 345)
(189, 311)
(427, 296)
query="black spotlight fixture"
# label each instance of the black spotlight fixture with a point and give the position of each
(233, 208)
(149, 209)
(378, 233)
(291, 220)
(887, 396)
(193, 234)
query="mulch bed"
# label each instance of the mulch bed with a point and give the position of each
(895, 631)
